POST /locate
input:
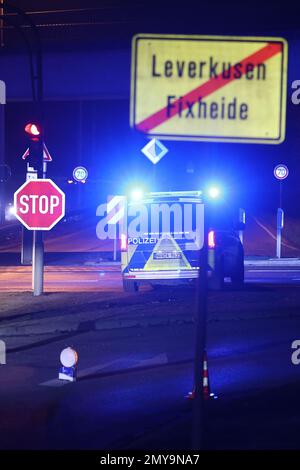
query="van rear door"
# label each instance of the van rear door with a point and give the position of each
(171, 238)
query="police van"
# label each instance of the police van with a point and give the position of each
(163, 233)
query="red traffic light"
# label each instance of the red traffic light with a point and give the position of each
(33, 129)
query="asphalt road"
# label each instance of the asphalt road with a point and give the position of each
(273, 275)
(106, 277)
(63, 278)
(136, 366)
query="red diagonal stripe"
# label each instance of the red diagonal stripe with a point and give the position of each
(208, 87)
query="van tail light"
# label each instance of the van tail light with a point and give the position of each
(211, 239)
(123, 242)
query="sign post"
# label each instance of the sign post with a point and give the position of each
(281, 172)
(34, 170)
(39, 205)
(208, 88)
(280, 223)
(38, 263)
(154, 150)
(80, 174)
(115, 213)
(2, 150)
(200, 343)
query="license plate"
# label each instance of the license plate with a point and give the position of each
(167, 255)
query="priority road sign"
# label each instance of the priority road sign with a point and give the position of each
(209, 88)
(154, 150)
(39, 204)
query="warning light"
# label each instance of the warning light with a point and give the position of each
(137, 194)
(33, 129)
(68, 357)
(214, 192)
(35, 142)
(123, 242)
(211, 239)
(12, 210)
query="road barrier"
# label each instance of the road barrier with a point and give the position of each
(69, 361)
(206, 394)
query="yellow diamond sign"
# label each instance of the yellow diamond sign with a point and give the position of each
(209, 88)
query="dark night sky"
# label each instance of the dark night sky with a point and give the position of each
(109, 148)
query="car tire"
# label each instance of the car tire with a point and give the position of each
(130, 286)
(216, 281)
(237, 278)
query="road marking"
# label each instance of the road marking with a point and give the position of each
(70, 281)
(273, 270)
(155, 360)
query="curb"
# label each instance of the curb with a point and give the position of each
(93, 325)
(273, 262)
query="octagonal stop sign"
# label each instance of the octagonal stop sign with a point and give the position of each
(39, 204)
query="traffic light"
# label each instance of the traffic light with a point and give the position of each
(33, 130)
(34, 134)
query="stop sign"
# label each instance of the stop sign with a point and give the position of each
(39, 204)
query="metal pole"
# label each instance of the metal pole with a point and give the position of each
(2, 26)
(27, 235)
(280, 194)
(44, 170)
(80, 152)
(279, 223)
(154, 177)
(201, 316)
(115, 244)
(26, 248)
(278, 243)
(38, 263)
(36, 74)
(2, 162)
(38, 244)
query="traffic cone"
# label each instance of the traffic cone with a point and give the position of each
(205, 381)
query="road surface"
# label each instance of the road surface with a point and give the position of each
(136, 365)
(63, 278)
(107, 277)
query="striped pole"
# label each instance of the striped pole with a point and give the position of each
(205, 381)
(206, 391)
